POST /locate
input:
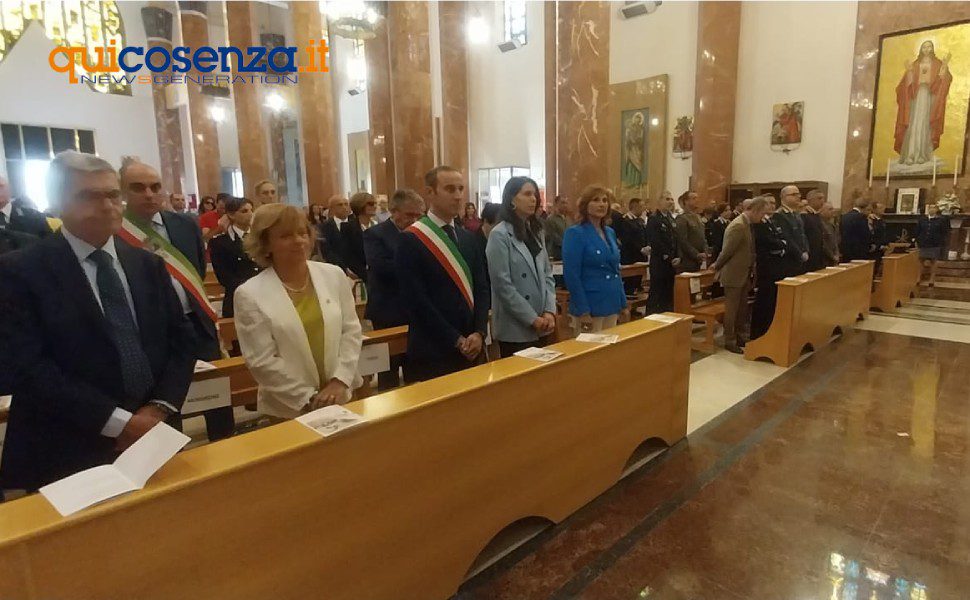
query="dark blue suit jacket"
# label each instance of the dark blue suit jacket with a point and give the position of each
(436, 310)
(384, 303)
(856, 236)
(61, 365)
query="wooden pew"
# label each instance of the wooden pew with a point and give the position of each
(397, 508)
(710, 311)
(809, 311)
(900, 277)
(212, 285)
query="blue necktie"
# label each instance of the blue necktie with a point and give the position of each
(136, 373)
(450, 230)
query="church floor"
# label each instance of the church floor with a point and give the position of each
(847, 476)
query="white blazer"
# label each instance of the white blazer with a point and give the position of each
(275, 345)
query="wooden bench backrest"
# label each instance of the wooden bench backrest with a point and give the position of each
(900, 277)
(683, 298)
(398, 507)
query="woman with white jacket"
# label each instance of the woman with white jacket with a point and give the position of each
(296, 321)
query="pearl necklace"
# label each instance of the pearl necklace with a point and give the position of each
(297, 291)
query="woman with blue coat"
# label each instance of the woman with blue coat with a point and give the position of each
(591, 265)
(523, 290)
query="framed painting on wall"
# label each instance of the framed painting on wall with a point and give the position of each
(919, 122)
(634, 152)
(786, 124)
(907, 201)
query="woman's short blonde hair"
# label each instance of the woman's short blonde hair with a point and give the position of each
(268, 217)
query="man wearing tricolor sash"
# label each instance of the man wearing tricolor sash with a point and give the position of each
(177, 239)
(443, 285)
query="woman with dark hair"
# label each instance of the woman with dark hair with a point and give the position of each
(316, 215)
(591, 265)
(232, 266)
(470, 220)
(523, 290)
(208, 204)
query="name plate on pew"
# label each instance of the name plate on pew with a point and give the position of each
(206, 395)
(374, 358)
(695, 285)
(557, 269)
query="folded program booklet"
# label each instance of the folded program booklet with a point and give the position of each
(129, 472)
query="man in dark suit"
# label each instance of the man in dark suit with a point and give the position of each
(141, 188)
(771, 265)
(814, 230)
(856, 235)
(385, 305)
(441, 271)
(19, 218)
(15, 240)
(662, 238)
(877, 225)
(715, 229)
(631, 231)
(788, 219)
(94, 346)
(341, 241)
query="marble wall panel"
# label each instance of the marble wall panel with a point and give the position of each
(715, 88)
(454, 84)
(410, 65)
(379, 111)
(317, 114)
(583, 94)
(250, 126)
(158, 19)
(551, 77)
(205, 139)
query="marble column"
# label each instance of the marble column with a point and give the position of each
(715, 87)
(205, 139)
(379, 110)
(250, 126)
(583, 94)
(550, 19)
(410, 61)
(320, 133)
(158, 18)
(454, 84)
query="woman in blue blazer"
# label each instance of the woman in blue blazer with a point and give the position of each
(523, 290)
(591, 265)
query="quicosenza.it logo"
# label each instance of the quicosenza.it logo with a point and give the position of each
(255, 63)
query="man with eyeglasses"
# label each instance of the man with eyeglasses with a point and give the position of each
(93, 343)
(788, 218)
(178, 239)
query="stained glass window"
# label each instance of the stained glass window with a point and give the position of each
(91, 24)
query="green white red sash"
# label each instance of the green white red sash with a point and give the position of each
(178, 266)
(446, 253)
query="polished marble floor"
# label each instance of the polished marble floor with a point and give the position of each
(846, 477)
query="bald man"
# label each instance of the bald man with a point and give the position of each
(141, 188)
(788, 218)
(341, 236)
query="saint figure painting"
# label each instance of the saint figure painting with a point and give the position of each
(633, 154)
(919, 122)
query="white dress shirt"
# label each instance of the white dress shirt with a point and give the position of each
(438, 221)
(7, 211)
(159, 226)
(119, 417)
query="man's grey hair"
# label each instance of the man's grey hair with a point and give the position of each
(402, 197)
(788, 188)
(861, 202)
(745, 204)
(814, 193)
(759, 203)
(64, 166)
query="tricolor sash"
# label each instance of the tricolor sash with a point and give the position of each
(446, 253)
(177, 265)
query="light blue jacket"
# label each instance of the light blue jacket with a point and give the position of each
(591, 268)
(522, 288)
